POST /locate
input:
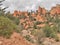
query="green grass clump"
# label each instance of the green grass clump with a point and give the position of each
(50, 32)
(6, 27)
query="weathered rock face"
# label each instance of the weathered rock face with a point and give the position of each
(55, 10)
(42, 11)
(15, 39)
(19, 13)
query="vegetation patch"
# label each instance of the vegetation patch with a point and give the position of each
(6, 26)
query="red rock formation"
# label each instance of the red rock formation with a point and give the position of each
(15, 13)
(42, 11)
(39, 9)
(18, 13)
(33, 15)
(58, 9)
(55, 10)
(40, 18)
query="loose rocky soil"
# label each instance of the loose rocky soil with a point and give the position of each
(15, 39)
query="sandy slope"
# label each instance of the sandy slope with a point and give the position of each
(16, 39)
